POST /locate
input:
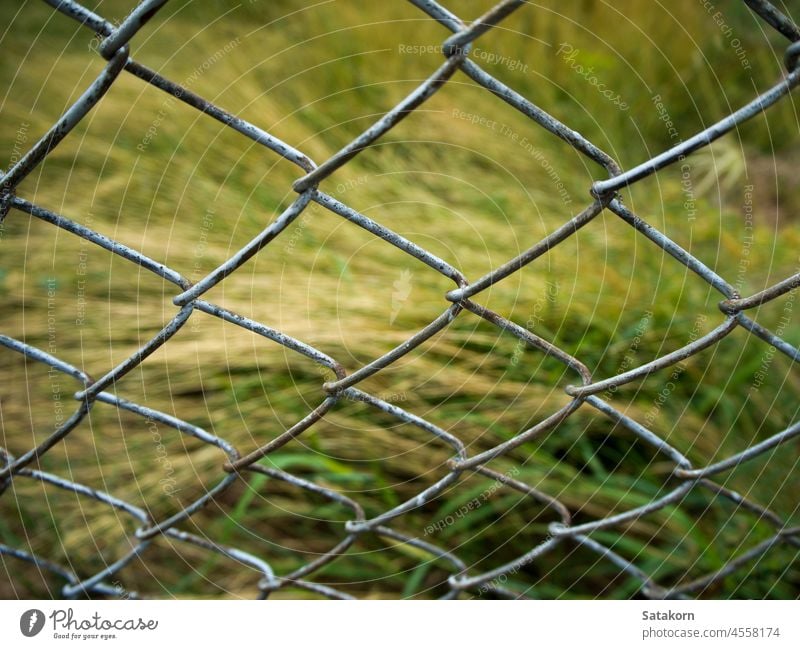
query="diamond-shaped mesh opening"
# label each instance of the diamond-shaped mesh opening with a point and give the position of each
(345, 285)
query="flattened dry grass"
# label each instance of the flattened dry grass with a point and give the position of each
(181, 188)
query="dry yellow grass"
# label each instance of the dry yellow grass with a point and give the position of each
(466, 192)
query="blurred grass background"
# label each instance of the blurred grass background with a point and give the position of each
(193, 192)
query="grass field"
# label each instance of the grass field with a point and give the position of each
(467, 178)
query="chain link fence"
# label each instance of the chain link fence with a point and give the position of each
(463, 301)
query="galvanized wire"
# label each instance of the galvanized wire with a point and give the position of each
(238, 464)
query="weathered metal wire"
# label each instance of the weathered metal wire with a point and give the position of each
(683, 480)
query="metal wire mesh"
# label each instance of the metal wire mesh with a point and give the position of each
(460, 302)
